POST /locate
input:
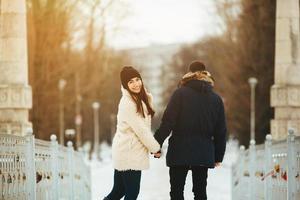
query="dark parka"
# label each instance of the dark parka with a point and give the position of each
(195, 116)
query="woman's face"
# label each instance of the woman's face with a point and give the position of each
(135, 85)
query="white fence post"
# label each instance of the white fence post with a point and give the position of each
(291, 173)
(31, 171)
(80, 172)
(54, 163)
(233, 179)
(71, 169)
(240, 172)
(89, 189)
(252, 169)
(268, 168)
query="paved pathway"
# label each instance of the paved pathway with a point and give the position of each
(155, 182)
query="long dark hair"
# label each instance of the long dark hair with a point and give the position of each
(139, 98)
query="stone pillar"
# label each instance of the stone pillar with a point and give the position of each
(15, 93)
(285, 93)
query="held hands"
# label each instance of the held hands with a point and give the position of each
(217, 164)
(157, 154)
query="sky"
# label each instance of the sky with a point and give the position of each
(165, 22)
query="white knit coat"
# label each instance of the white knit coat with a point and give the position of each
(133, 139)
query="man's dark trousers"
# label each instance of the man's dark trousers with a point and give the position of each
(177, 180)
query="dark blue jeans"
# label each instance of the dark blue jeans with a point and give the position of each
(125, 183)
(177, 181)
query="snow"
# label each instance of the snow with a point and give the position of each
(155, 181)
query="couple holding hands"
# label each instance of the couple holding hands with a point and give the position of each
(195, 119)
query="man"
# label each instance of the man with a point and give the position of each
(195, 116)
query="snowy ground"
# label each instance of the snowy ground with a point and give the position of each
(155, 181)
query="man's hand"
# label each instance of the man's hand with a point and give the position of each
(157, 154)
(217, 164)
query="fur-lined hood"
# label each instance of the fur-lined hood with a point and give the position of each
(198, 75)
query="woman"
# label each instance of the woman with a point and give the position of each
(133, 139)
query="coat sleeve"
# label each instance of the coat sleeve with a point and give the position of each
(220, 134)
(169, 118)
(143, 132)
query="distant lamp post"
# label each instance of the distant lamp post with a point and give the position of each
(61, 85)
(78, 121)
(96, 106)
(252, 82)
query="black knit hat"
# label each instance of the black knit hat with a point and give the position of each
(196, 66)
(127, 74)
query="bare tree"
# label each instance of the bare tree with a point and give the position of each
(245, 49)
(56, 51)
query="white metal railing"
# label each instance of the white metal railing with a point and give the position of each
(269, 171)
(33, 169)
